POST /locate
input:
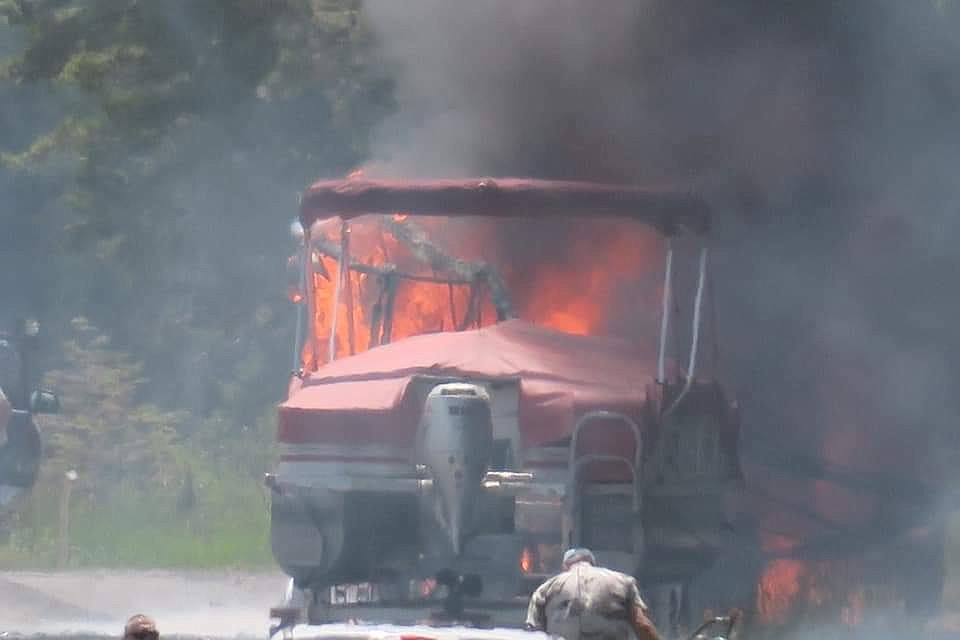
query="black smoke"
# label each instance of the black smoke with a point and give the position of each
(826, 136)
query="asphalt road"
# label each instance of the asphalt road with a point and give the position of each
(208, 604)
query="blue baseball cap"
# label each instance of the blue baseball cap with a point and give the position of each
(578, 554)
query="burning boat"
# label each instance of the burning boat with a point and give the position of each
(448, 444)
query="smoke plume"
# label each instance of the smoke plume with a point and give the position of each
(825, 135)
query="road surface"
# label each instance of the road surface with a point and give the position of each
(209, 604)
(204, 604)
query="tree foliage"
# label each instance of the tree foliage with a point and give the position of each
(160, 166)
(104, 431)
(187, 129)
(147, 491)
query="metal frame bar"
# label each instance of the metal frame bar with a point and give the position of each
(390, 284)
(665, 312)
(695, 338)
(574, 464)
(610, 415)
(311, 296)
(348, 290)
(670, 211)
(298, 330)
(575, 537)
(325, 248)
(606, 457)
(697, 305)
(342, 274)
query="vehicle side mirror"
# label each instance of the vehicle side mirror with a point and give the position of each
(43, 401)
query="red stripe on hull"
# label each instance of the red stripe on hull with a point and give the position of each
(311, 457)
(546, 464)
(347, 428)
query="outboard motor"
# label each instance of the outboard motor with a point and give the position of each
(454, 444)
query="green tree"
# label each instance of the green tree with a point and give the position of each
(145, 495)
(104, 432)
(183, 132)
(189, 128)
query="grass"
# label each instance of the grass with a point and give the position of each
(226, 526)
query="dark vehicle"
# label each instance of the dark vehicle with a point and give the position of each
(20, 446)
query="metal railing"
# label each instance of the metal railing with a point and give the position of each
(572, 527)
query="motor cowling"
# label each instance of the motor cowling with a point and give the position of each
(455, 441)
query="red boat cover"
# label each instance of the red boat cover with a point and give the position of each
(672, 211)
(362, 399)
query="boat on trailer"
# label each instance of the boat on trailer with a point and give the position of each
(450, 469)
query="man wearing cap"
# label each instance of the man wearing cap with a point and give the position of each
(587, 602)
(140, 627)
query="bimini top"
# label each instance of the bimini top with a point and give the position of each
(672, 212)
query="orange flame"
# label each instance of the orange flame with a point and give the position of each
(526, 560)
(779, 587)
(427, 587)
(831, 591)
(576, 292)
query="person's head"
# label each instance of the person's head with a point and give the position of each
(140, 627)
(575, 555)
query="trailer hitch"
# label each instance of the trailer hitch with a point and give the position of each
(287, 618)
(458, 587)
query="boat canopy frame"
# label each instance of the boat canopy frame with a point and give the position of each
(672, 212)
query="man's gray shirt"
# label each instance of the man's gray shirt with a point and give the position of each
(586, 602)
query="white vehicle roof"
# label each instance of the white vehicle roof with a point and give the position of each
(409, 632)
